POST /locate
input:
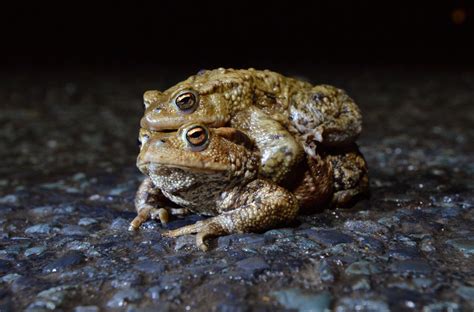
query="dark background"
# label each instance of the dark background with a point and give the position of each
(236, 34)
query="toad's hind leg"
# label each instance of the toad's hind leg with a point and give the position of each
(324, 115)
(350, 176)
(261, 205)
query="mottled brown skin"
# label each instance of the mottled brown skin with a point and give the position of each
(285, 117)
(221, 178)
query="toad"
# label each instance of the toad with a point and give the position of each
(216, 172)
(285, 117)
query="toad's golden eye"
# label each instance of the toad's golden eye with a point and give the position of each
(197, 138)
(186, 101)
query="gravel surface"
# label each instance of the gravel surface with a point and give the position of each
(68, 177)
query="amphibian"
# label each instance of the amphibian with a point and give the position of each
(216, 172)
(285, 117)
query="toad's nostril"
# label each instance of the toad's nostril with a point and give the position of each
(157, 110)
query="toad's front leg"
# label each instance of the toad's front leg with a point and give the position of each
(259, 206)
(149, 203)
(280, 151)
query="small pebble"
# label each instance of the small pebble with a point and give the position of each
(252, 265)
(423, 282)
(279, 233)
(427, 245)
(10, 277)
(42, 211)
(328, 237)
(411, 266)
(150, 267)
(64, 209)
(325, 272)
(361, 284)
(34, 251)
(185, 242)
(68, 260)
(86, 221)
(464, 245)
(79, 245)
(365, 227)
(9, 199)
(123, 297)
(74, 230)
(404, 252)
(350, 304)
(38, 229)
(52, 298)
(294, 298)
(362, 268)
(86, 309)
(466, 292)
(127, 280)
(119, 224)
(442, 307)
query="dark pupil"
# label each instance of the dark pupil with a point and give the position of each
(185, 100)
(196, 134)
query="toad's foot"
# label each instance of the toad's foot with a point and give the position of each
(147, 198)
(142, 216)
(162, 214)
(351, 179)
(204, 229)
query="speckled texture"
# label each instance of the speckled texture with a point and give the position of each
(206, 173)
(216, 172)
(68, 178)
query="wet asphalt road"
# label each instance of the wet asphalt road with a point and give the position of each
(68, 177)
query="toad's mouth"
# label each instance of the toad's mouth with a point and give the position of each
(154, 165)
(171, 124)
(166, 131)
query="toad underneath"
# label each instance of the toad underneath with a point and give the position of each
(216, 172)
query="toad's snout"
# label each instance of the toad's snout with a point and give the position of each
(149, 151)
(155, 121)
